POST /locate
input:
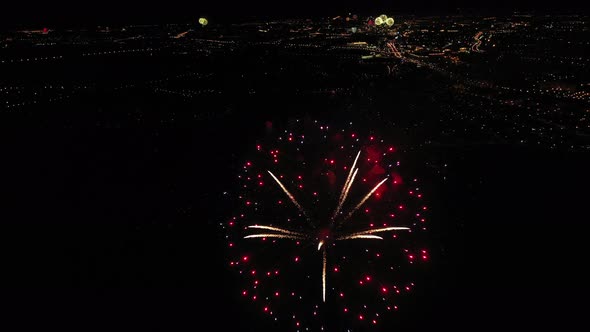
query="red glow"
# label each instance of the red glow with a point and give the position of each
(384, 290)
(397, 179)
(391, 149)
(368, 278)
(345, 309)
(231, 244)
(253, 272)
(245, 258)
(335, 269)
(361, 317)
(297, 259)
(276, 293)
(341, 294)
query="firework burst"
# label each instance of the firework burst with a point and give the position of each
(327, 228)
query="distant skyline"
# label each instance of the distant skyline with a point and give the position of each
(68, 12)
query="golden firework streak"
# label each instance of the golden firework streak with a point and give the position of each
(344, 194)
(349, 175)
(324, 274)
(287, 192)
(365, 198)
(347, 185)
(280, 236)
(281, 230)
(360, 236)
(376, 230)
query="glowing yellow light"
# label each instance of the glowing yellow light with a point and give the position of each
(378, 21)
(389, 21)
(203, 21)
(383, 17)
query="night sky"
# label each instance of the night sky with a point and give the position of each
(74, 13)
(108, 230)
